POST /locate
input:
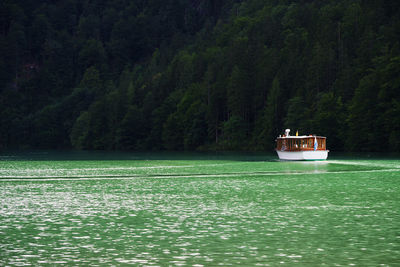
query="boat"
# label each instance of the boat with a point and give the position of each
(304, 147)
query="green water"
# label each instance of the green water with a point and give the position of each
(198, 210)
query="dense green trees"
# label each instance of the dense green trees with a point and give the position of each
(227, 74)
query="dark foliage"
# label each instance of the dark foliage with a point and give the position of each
(200, 74)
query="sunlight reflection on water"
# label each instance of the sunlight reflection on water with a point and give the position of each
(204, 213)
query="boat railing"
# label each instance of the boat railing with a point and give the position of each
(301, 144)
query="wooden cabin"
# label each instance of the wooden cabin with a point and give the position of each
(300, 143)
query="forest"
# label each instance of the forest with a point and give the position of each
(199, 74)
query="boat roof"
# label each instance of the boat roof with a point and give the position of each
(300, 136)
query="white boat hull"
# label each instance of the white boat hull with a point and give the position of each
(303, 155)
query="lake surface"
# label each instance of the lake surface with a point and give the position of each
(198, 210)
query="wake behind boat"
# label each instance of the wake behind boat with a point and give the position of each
(305, 147)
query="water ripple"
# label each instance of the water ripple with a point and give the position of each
(236, 213)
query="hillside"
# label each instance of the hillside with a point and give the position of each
(200, 74)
